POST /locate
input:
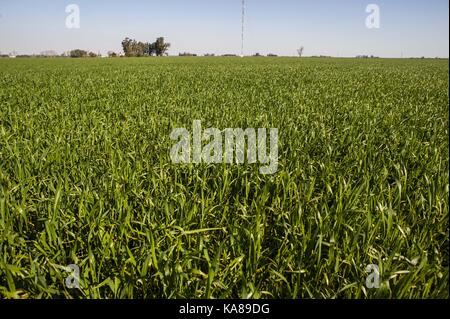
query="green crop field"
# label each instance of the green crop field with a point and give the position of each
(86, 178)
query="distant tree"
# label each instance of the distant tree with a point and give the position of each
(92, 55)
(161, 47)
(112, 54)
(186, 54)
(300, 51)
(144, 49)
(132, 48)
(151, 48)
(128, 46)
(78, 53)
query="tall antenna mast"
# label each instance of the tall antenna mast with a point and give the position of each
(242, 34)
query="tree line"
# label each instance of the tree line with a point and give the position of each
(133, 48)
(82, 54)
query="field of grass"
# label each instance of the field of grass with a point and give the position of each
(86, 178)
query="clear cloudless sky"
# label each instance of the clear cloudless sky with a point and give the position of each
(323, 27)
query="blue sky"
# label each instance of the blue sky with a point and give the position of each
(327, 27)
